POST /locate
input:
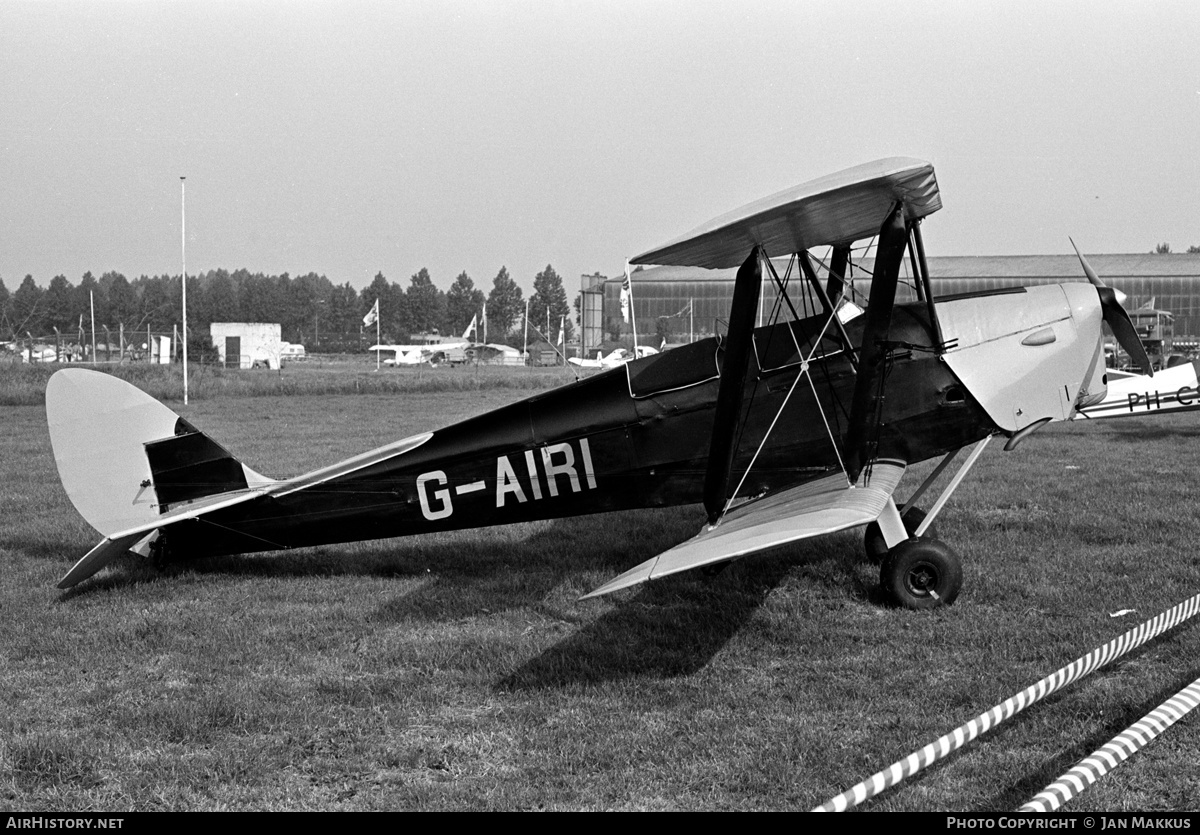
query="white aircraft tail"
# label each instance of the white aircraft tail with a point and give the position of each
(124, 458)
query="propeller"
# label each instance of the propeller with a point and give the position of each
(1111, 301)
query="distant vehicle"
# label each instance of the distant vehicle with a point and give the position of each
(290, 352)
(495, 354)
(38, 353)
(1156, 329)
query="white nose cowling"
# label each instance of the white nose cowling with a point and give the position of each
(1027, 355)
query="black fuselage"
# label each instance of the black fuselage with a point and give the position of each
(631, 437)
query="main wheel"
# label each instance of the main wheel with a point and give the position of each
(160, 552)
(921, 573)
(874, 543)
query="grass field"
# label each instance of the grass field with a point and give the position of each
(25, 384)
(459, 671)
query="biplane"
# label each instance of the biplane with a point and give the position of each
(785, 430)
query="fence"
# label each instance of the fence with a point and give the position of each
(102, 345)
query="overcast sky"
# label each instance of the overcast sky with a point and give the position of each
(351, 138)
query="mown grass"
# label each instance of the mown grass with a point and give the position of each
(25, 384)
(460, 671)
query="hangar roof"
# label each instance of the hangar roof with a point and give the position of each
(1062, 266)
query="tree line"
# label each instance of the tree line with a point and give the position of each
(310, 308)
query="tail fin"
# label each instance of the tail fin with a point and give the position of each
(124, 458)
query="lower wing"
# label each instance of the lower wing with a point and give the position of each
(818, 507)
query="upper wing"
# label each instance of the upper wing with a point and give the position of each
(819, 507)
(835, 209)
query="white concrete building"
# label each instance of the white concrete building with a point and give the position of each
(248, 344)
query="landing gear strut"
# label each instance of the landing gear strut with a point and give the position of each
(876, 546)
(918, 570)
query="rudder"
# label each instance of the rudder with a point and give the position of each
(123, 457)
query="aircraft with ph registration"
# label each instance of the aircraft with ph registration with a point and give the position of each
(795, 428)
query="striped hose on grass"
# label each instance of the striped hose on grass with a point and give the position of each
(983, 723)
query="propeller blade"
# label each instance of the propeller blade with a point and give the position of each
(1091, 274)
(1112, 303)
(1122, 327)
(1087, 268)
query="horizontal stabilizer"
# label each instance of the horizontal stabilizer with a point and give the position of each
(818, 507)
(118, 543)
(100, 556)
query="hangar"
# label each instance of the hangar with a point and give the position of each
(694, 302)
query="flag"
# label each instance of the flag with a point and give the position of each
(562, 332)
(470, 332)
(372, 315)
(626, 295)
(663, 347)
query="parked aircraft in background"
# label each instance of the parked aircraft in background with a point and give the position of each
(449, 352)
(1173, 389)
(616, 357)
(786, 431)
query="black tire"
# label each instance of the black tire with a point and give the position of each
(921, 573)
(876, 547)
(160, 552)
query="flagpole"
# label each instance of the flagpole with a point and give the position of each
(526, 348)
(92, 305)
(183, 258)
(632, 313)
(372, 317)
